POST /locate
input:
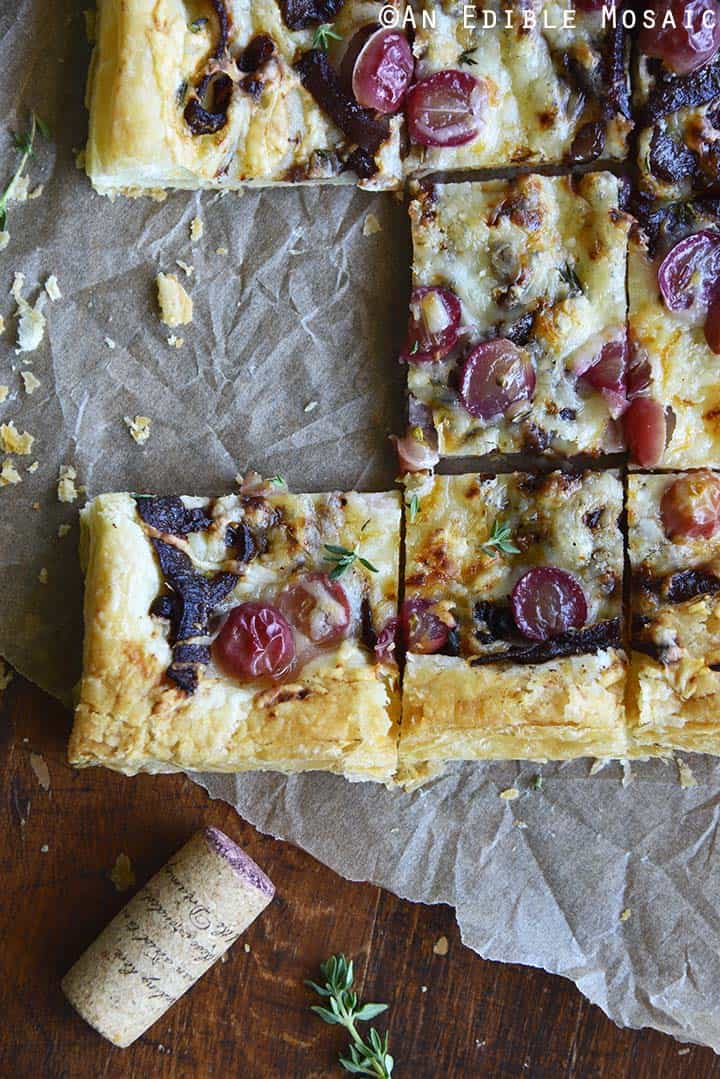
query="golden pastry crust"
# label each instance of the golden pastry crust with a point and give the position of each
(558, 710)
(484, 703)
(674, 691)
(683, 370)
(338, 714)
(147, 59)
(545, 254)
(551, 92)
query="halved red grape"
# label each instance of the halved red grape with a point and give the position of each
(686, 33)
(435, 314)
(690, 506)
(639, 372)
(496, 376)
(608, 375)
(445, 109)
(414, 454)
(385, 645)
(689, 274)
(423, 631)
(547, 602)
(712, 325)
(256, 641)
(383, 71)
(645, 430)
(318, 607)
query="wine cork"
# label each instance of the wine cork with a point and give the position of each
(167, 936)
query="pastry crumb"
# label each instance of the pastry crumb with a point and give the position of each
(175, 342)
(627, 771)
(139, 428)
(41, 770)
(423, 989)
(246, 948)
(221, 250)
(441, 946)
(520, 823)
(122, 874)
(43, 575)
(4, 393)
(2, 320)
(187, 269)
(176, 307)
(625, 914)
(371, 225)
(33, 467)
(63, 531)
(687, 779)
(44, 849)
(510, 794)
(110, 343)
(9, 475)
(52, 288)
(66, 488)
(30, 382)
(197, 229)
(4, 239)
(12, 441)
(310, 406)
(598, 765)
(30, 319)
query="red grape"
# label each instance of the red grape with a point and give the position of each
(435, 314)
(414, 454)
(547, 602)
(445, 109)
(496, 376)
(318, 607)
(645, 431)
(689, 274)
(423, 631)
(608, 375)
(385, 645)
(690, 38)
(383, 71)
(256, 641)
(690, 506)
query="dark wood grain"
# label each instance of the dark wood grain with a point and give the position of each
(454, 1016)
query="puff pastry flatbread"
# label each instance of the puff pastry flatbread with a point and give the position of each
(490, 691)
(163, 577)
(212, 93)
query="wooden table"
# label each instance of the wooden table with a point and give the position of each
(450, 1017)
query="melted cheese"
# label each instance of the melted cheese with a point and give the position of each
(503, 265)
(548, 521)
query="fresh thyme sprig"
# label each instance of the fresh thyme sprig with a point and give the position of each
(341, 559)
(24, 144)
(369, 1057)
(323, 34)
(500, 539)
(412, 507)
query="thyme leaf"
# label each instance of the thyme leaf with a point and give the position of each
(364, 1056)
(500, 539)
(341, 559)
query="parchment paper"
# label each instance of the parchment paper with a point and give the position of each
(613, 886)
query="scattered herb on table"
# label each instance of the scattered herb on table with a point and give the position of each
(536, 783)
(365, 1057)
(323, 34)
(341, 559)
(278, 480)
(500, 539)
(24, 145)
